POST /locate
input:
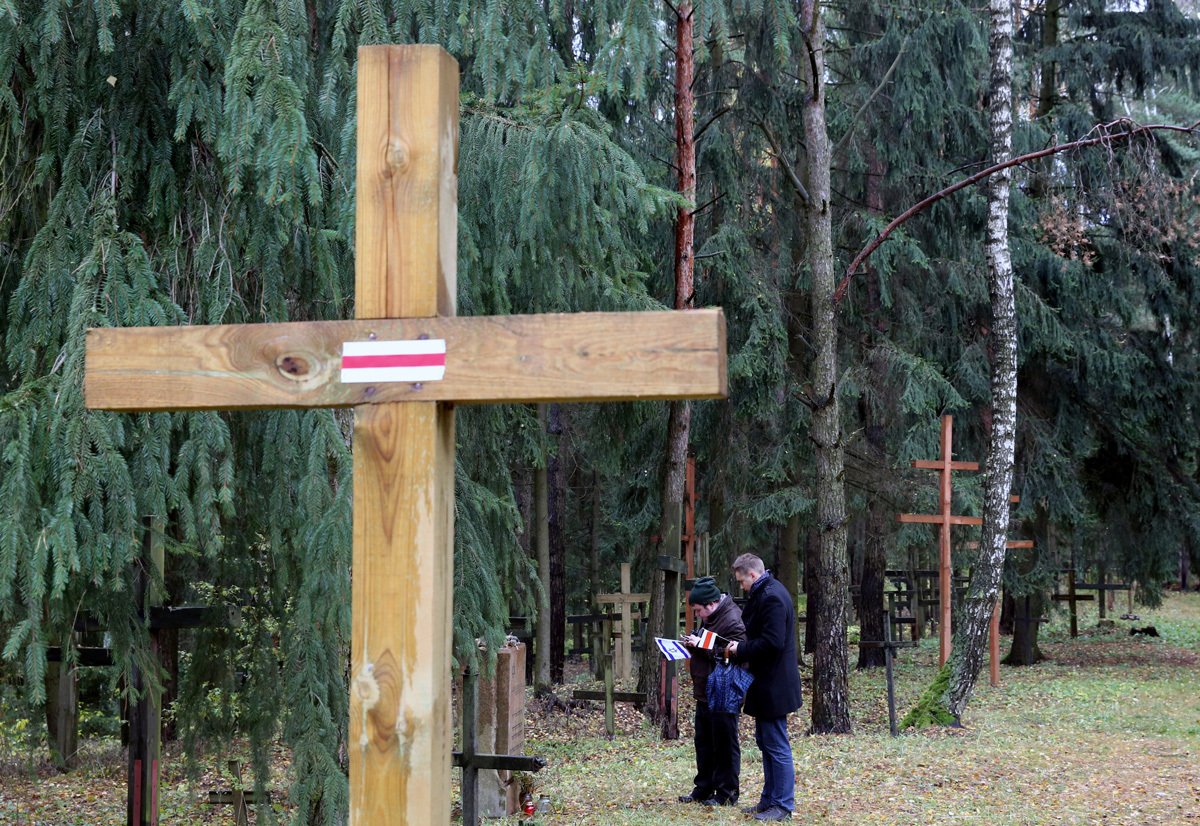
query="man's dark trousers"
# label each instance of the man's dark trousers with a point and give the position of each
(779, 772)
(718, 755)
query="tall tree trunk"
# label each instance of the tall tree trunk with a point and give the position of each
(970, 639)
(811, 591)
(62, 711)
(1027, 613)
(679, 421)
(1048, 88)
(788, 566)
(830, 702)
(1028, 609)
(541, 520)
(556, 506)
(871, 608)
(874, 422)
(1185, 558)
(594, 546)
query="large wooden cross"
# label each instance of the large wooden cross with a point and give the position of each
(945, 464)
(405, 277)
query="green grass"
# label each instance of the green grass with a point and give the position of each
(1107, 730)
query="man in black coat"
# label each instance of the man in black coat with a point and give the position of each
(718, 754)
(769, 651)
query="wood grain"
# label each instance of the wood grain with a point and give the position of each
(402, 591)
(574, 357)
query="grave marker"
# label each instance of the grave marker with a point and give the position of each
(624, 600)
(238, 797)
(944, 519)
(405, 281)
(499, 722)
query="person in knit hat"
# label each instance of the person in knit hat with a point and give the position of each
(718, 755)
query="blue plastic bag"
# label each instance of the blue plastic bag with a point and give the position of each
(726, 688)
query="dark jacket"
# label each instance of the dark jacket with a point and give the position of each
(726, 623)
(770, 650)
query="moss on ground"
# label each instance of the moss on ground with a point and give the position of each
(931, 708)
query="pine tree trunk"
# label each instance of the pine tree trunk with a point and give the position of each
(871, 607)
(970, 639)
(541, 507)
(556, 502)
(874, 421)
(788, 566)
(62, 713)
(811, 591)
(679, 422)
(830, 702)
(1048, 88)
(1027, 611)
(1185, 558)
(594, 546)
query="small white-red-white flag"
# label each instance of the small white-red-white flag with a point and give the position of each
(414, 360)
(706, 639)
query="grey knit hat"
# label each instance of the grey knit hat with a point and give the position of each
(704, 591)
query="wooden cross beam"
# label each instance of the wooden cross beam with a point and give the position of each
(405, 282)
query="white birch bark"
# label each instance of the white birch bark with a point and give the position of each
(971, 635)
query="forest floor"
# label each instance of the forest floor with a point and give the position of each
(1106, 730)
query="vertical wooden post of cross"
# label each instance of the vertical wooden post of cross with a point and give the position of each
(945, 572)
(673, 570)
(405, 266)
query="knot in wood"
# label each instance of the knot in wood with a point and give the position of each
(397, 157)
(366, 687)
(293, 366)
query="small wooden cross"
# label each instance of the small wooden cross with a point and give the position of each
(623, 659)
(405, 282)
(237, 797)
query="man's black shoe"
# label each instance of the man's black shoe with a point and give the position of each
(752, 810)
(774, 813)
(693, 798)
(716, 801)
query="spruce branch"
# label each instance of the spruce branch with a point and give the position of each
(1105, 134)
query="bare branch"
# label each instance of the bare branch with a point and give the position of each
(778, 155)
(1106, 135)
(724, 110)
(841, 145)
(707, 204)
